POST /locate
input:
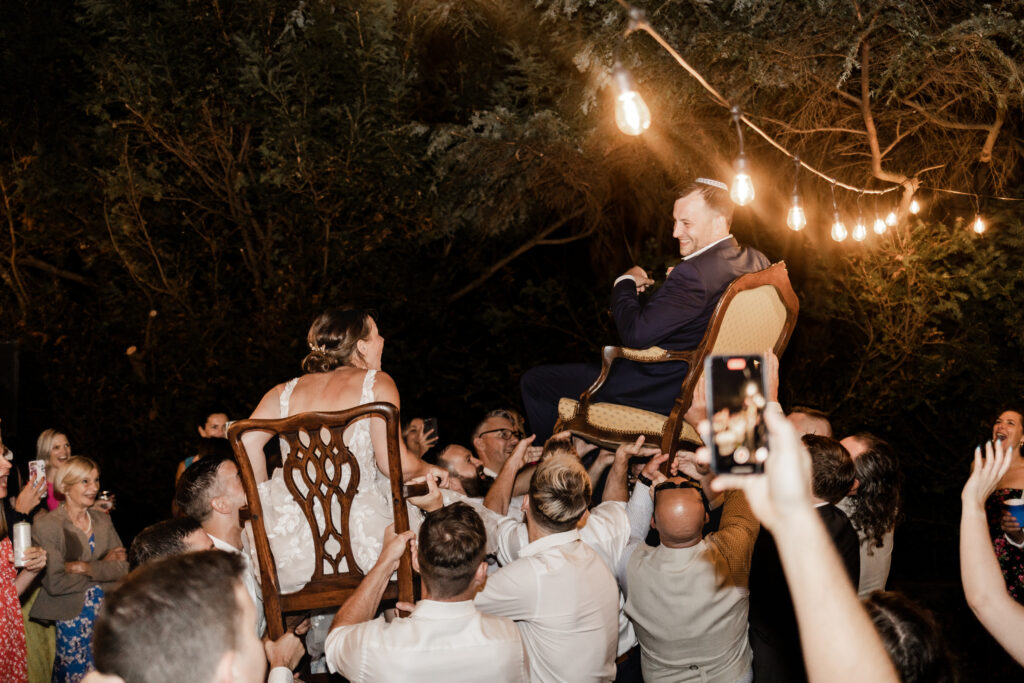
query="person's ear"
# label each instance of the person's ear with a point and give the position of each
(480, 577)
(220, 505)
(853, 489)
(226, 668)
(721, 225)
(415, 556)
(707, 518)
(202, 432)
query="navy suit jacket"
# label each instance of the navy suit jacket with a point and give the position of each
(675, 317)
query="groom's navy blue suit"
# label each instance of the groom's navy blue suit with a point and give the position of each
(675, 318)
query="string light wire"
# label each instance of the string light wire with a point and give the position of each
(638, 22)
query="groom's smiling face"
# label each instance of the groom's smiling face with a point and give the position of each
(696, 225)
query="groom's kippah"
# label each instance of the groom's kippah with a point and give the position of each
(713, 183)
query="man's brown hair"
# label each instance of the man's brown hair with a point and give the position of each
(452, 544)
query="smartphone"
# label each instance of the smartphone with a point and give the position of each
(430, 425)
(736, 401)
(37, 469)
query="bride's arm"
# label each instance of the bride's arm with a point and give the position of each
(254, 441)
(384, 389)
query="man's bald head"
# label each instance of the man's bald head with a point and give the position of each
(679, 515)
(810, 421)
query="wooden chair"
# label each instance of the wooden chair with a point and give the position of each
(757, 312)
(316, 456)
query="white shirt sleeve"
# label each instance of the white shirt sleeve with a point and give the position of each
(280, 674)
(623, 277)
(511, 592)
(344, 646)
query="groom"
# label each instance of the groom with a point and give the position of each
(674, 318)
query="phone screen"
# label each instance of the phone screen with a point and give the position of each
(736, 401)
(430, 425)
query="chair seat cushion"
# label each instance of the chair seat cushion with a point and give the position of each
(624, 420)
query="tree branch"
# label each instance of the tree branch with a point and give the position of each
(519, 251)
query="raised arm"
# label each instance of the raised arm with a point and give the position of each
(384, 389)
(269, 408)
(984, 587)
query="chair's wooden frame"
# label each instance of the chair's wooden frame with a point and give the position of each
(776, 276)
(323, 589)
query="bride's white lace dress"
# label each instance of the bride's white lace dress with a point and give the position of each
(287, 529)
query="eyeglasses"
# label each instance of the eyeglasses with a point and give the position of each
(503, 434)
(686, 483)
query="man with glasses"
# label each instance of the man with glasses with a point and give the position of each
(494, 439)
(687, 597)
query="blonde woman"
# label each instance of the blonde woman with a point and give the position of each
(54, 448)
(85, 557)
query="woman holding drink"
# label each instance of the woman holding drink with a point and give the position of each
(1007, 537)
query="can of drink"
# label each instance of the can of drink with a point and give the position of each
(22, 542)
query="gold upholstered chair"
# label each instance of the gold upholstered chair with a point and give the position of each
(756, 313)
(314, 473)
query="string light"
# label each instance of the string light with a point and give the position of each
(631, 113)
(879, 226)
(860, 231)
(742, 191)
(633, 117)
(838, 229)
(797, 219)
(979, 223)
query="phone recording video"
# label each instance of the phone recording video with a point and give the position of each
(736, 401)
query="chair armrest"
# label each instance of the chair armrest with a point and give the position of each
(654, 354)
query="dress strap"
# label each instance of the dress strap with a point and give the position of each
(286, 395)
(367, 395)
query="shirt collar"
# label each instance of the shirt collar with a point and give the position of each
(703, 249)
(550, 541)
(434, 609)
(490, 473)
(222, 545)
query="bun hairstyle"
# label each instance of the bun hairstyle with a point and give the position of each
(333, 336)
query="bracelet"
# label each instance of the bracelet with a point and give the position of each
(644, 480)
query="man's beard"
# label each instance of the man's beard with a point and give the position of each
(477, 487)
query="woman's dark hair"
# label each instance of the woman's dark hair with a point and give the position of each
(911, 637)
(876, 507)
(332, 338)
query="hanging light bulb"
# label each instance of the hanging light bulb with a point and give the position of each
(838, 228)
(796, 219)
(860, 230)
(742, 190)
(891, 220)
(915, 206)
(631, 113)
(979, 224)
(879, 227)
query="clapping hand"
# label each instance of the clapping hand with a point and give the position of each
(639, 275)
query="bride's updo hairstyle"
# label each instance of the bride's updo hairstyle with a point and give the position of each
(332, 338)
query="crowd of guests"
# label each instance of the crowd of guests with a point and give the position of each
(552, 562)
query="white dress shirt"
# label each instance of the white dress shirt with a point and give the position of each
(566, 605)
(440, 641)
(252, 586)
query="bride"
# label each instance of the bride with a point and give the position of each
(342, 371)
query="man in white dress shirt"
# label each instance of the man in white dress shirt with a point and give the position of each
(187, 618)
(210, 491)
(563, 598)
(445, 638)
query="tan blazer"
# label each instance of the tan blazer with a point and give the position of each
(63, 594)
